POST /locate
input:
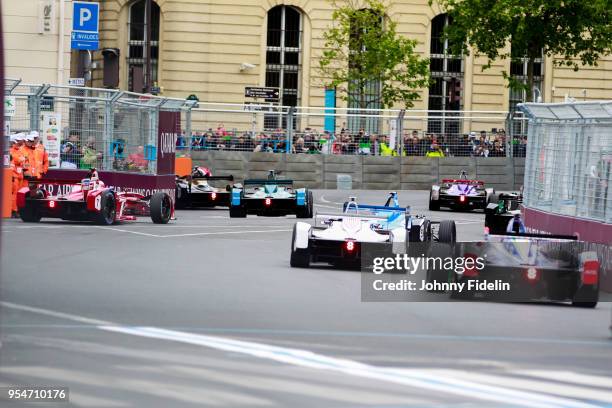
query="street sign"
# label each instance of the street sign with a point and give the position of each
(47, 103)
(76, 81)
(85, 26)
(9, 106)
(258, 92)
(259, 107)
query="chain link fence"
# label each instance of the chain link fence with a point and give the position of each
(569, 159)
(83, 128)
(109, 129)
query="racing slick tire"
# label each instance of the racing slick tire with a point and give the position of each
(447, 232)
(586, 297)
(420, 233)
(160, 207)
(307, 210)
(29, 213)
(108, 209)
(237, 211)
(300, 257)
(434, 205)
(182, 198)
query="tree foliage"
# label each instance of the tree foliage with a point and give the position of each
(362, 47)
(575, 32)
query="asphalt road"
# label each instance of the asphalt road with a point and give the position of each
(206, 311)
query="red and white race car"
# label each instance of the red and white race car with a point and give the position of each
(90, 200)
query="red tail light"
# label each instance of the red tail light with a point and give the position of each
(462, 199)
(590, 272)
(532, 274)
(350, 246)
(268, 202)
(487, 231)
(51, 204)
(213, 196)
(471, 271)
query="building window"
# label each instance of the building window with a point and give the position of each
(518, 72)
(284, 59)
(137, 46)
(371, 94)
(447, 71)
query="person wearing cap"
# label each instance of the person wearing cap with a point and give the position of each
(16, 164)
(42, 157)
(30, 166)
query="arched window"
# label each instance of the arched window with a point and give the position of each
(445, 92)
(284, 58)
(137, 45)
(518, 71)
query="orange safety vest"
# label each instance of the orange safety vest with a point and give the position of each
(30, 166)
(42, 158)
(17, 161)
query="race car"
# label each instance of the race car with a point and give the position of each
(460, 194)
(196, 190)
(90, 200)
(537, 267)
(339, 239)
(270, 197)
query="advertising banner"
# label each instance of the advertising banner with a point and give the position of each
(168, 131)
(51, 135)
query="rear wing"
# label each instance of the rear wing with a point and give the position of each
(459, 181)
(57, 181)
(378, 208)
(259, 182)
(212, 178)
(322, 218)
(534, 235)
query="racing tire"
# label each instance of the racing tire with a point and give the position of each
(434, 205)
(161, 208)
(29, 213)
(307, 210)
(447, 232)
(300, 257)
(108, 209)
(181, 198)
(586, 297)
(420, 233)
(237, 211)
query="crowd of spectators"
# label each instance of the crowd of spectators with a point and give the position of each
(345, 142)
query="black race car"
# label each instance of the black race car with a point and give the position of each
(196, 190)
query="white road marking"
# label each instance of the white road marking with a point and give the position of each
(129, 232)
(418, 378)
(571, 377)
(222, 233)
(59, 315)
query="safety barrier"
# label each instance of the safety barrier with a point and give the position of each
(366, 172)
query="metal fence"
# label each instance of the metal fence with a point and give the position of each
(569, 159)
(342, 131)
(111, 129)
(89, 127)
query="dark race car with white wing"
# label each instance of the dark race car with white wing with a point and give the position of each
(270, 197)
(460, 194)
(197, 190)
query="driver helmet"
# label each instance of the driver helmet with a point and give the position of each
(201, 172)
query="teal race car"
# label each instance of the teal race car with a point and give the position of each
(270, 197)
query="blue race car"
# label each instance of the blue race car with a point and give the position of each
(270, 197)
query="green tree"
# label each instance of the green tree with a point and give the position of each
(575, 32)
(362, 48)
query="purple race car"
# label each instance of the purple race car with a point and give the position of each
(461, 194)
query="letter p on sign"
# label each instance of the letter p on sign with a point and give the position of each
(85, 17)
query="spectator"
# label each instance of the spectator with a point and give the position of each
(434, 151)
(70, 156)
(91, 157)
(298, 146)
(137, 160)
(384, 148)
(412, 147)
(181, 142)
